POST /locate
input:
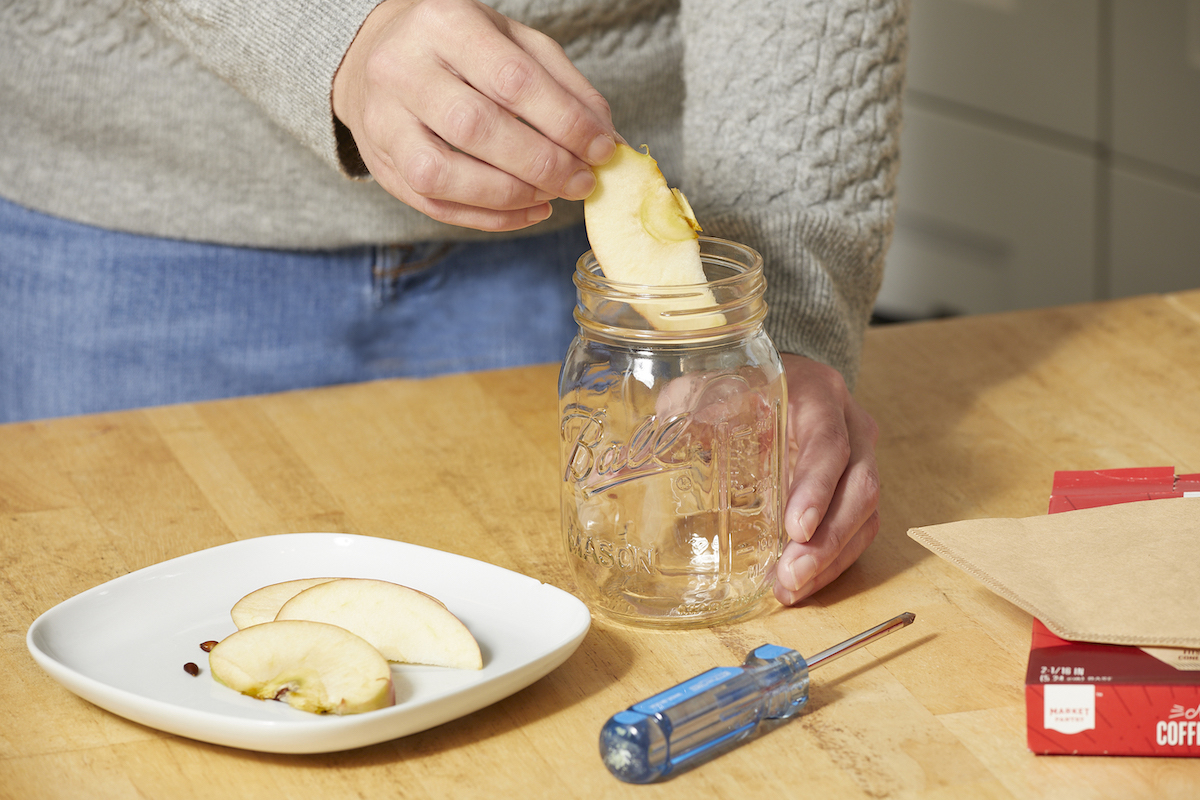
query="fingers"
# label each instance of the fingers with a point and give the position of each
(805, 569)
(831, 447)
(471, 122)
(450, 186)
(468, 116)
(527, 76)
(831, 514)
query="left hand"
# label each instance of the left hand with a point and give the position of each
(831, 513)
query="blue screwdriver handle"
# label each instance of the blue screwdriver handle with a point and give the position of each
(717, 708)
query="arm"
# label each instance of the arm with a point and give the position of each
(430, 97)
(282, 56)
(791, 139)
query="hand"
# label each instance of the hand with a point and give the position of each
(831, 511)
(468, 116)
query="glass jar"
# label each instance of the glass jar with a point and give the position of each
(672, 403)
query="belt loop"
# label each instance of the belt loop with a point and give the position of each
(385, 262)
(391, 262)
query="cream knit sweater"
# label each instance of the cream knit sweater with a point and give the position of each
(210, 120)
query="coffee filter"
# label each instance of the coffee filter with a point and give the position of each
(1126, 574)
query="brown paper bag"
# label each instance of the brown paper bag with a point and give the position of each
(1123, 574)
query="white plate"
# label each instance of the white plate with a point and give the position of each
(123, 645)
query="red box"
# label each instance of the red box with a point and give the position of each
(1101, 699)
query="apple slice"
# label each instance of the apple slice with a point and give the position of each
(643, 232)
(263, 604)
(407, 626)
(309, 665)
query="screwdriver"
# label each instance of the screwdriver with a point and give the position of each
(717, 708)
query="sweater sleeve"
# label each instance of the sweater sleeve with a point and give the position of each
(791, 145)
(280, 55)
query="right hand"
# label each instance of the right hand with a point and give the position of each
(468, 116)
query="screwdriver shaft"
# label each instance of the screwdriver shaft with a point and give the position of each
(861, 640)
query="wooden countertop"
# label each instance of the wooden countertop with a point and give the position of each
(976, 415)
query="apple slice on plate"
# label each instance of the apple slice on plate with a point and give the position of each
(644, 233)
(405, 625)
(311, 666)
(263, 604)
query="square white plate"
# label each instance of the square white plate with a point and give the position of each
(122, 645)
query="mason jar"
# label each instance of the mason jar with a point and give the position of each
(672, 406)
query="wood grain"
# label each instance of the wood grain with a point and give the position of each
(976, 414)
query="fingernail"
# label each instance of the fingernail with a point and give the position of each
(809, 521)
(579, 185)
(802, 570)
(601, 149)
(539, 213)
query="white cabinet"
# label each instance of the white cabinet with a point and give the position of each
(1156, 82)
(1051, 154)
(1155, 235)
(1030, 60)
(1028, 232)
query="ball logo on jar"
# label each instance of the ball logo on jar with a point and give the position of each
(595, 464)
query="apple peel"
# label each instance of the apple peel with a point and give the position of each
(405, 625)
(262, 605)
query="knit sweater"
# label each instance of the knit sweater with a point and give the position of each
(210, 120)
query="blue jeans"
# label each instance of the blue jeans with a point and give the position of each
(93, 320)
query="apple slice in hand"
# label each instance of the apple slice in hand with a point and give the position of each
(263, 604)
(405, 625)
(643, 232)
(309, 665)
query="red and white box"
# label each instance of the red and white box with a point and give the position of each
(1083, 698)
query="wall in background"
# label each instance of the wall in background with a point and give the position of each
(1050, 155)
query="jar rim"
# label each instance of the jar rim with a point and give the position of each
(730, 303)
(710, 247)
